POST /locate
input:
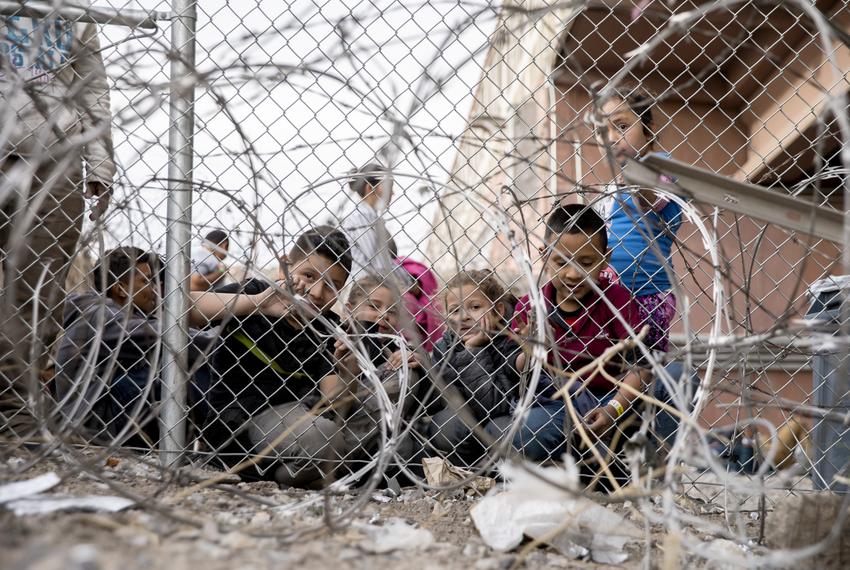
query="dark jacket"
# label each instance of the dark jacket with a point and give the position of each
(245, 384)
(486, 377)
(98, 331)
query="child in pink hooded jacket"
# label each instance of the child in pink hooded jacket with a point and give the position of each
(420, 300)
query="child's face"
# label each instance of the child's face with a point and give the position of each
(322, 280)
(469, 312)
(384, 190)
(140, 288)
(379, 307)
(575, 262)
(624, 131)
(220, 251)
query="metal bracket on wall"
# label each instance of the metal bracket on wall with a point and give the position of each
(739, 197)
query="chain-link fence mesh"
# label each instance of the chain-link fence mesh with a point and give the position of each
(411, 237)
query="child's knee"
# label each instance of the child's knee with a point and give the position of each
(542, 436)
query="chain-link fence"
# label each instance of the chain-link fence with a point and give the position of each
(344, 239)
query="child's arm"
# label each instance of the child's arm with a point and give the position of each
(203, 281)
(600, 419)
(522, 325)
(648, 200)
(211, 306)
(332, 388)
(637, 376)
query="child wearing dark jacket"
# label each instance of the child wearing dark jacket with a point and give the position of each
(273, 366)
(474, 369)
(107, 372)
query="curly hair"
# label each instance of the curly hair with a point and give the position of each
(484, 280)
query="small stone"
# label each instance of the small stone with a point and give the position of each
(536, 558)
(502, 563)
(261, 518)
(211, 550)
(439, 510)
(487, 564)
(286, 559)
(380, 497)
(558, 561)
(730, 556)
(84, 557)
(134, 537)
(474, 550)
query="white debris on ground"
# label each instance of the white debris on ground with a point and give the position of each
(441, 473)
(541, 504)
(396, 534)
(26, 498)
(28, 487)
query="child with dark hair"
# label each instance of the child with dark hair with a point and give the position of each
(642, 223)
(273, 358)
(104, 360)
(208, 268)
(585, 321)
(371, 189)
(474, 365)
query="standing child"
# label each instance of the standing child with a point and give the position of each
(207, 261)
(642, 224)
(363, 224)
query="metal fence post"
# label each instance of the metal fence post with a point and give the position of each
(178, 232)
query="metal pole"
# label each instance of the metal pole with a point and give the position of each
(178, 233)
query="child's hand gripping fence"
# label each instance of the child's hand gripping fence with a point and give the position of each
(404, 274)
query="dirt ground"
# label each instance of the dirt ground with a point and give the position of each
(253, 525)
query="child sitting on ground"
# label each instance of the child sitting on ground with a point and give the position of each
(474, 368)
(273, 359)
(585, 323)
(375, 319)
(110, 392)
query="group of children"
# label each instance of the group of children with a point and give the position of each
(286, 378)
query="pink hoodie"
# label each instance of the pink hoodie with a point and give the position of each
(424, 307)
